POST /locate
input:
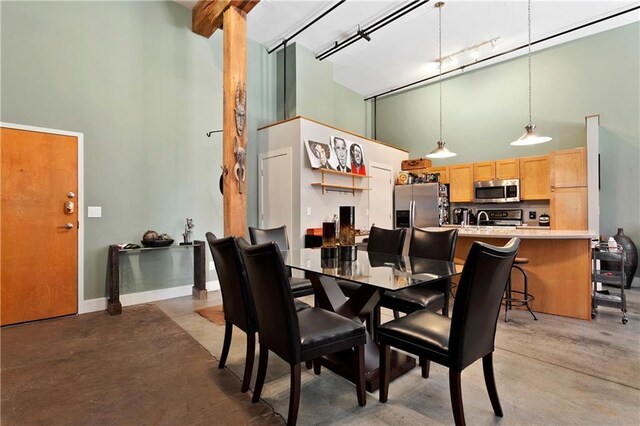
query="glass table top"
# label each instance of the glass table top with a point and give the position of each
(380, 270)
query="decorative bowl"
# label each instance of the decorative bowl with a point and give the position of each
(157, 243)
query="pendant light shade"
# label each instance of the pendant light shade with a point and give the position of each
(530, 137)
(440, 151)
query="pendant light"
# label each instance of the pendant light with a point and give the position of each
(530, 137)
(440, 151)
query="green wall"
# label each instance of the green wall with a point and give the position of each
(484, 110)
(318, 96)
(144, 90)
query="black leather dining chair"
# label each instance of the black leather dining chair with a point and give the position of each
(381, 240)
(295, 337)
(299, 286)
(237, 300)
(459, 341)
(434, 295)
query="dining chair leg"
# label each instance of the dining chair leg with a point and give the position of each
(308, 364)
(317, 368)
(489, 380)
(456, 397)
(396, 314)
(228, 332)
(447, 294)
(294, 395)
(360, 385)
(248, 363)
(385, 366)
(425, 364)
(262, 372)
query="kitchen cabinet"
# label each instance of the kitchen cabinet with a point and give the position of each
(569, 168)
(534, 178)
(461, 183)
(484, 171)
(569, 208)
(442, 170)
(508, 168)
(569, 199)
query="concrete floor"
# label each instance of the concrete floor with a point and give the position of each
(552, 371)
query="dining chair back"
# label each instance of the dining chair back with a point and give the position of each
(237, 300)
(468, 335)
(438, 245)
(295, 336)
(389, 241)
(299, 286)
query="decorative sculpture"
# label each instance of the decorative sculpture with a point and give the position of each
(187, 231)
(239, 168)
(241, 107)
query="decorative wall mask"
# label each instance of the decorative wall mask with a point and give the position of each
(239, 169)
(241, 107)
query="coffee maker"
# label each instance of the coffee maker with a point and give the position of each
(460, 214)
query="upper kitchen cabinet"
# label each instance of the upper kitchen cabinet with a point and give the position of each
(509, 168)
(569, 168)
(461, 182)
(484, 171)
(534, 178)
(443, 171)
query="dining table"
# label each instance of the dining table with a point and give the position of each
(376, 273)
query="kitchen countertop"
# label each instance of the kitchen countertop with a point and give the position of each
(525, 232)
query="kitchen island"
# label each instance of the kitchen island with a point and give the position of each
(559, 267)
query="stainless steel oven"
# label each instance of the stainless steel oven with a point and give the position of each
(497, 191)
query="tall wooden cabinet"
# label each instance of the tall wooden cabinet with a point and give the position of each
(568, 201)
(461, 183)
(534, 178)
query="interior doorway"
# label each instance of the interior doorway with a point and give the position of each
(381, 195)
(275, 189)
(41, 215)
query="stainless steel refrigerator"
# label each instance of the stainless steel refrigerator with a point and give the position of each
(421, 205)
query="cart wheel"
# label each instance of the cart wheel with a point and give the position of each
(625, 320)
(593, 315)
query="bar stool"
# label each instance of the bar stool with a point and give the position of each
(524, 296)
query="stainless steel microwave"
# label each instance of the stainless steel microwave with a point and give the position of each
(497, 191)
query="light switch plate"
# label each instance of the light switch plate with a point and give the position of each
(94, 211)
(308, 211)
(211, 266)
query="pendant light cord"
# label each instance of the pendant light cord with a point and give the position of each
(529, 22)
(440, 63)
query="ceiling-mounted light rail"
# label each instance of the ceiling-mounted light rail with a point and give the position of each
(497, 55)
(322, 15)
(382, 22)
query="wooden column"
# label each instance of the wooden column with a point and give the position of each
(234, 74)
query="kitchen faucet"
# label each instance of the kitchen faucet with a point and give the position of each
(479, 217)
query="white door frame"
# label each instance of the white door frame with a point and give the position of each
(261, 157)
(384, 167)
(80, 200)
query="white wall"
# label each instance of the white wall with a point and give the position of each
(323, 206)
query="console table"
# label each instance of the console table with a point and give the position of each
(114, 307)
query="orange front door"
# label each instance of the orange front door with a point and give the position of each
(39, 249)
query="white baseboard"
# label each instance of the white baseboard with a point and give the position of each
(129, 299)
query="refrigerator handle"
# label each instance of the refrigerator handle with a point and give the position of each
(412, 214)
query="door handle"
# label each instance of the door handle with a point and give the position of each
(69, 207)
(67, 226)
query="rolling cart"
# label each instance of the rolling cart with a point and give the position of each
(615, 278)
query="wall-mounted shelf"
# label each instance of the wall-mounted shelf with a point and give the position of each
(340, 188)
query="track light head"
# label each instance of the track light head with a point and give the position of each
(364, 35)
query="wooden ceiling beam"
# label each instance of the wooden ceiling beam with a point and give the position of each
(207, 15)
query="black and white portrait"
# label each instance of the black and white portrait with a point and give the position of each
(319, 154)
(341, 149)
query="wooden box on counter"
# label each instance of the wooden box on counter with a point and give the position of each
(417, 165)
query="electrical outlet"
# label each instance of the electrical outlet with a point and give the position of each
(308, 211)
(211, 266)
(532, 214)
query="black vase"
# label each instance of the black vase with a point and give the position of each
(631, 264)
